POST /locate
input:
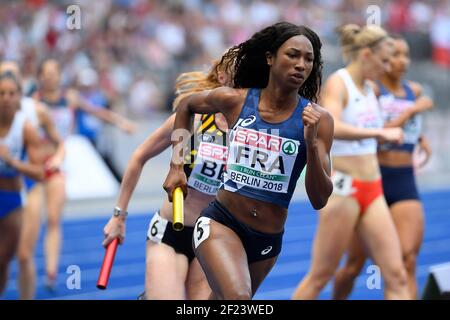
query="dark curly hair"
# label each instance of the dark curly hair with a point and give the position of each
(248, 63)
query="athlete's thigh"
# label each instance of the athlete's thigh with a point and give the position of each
(378, 232)
(337, 221)
(166, 272)
(259, 271)
(31, 221)
(409, 221)
(222, 257)
(357, 251)
(55, 193)
(10, 233)
(197, 286)
(34, 201)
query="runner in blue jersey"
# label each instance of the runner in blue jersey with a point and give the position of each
(39, 116)
(16, 134)
(275, 129)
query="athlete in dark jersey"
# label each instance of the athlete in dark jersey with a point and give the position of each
(276, 130)
(172, 272)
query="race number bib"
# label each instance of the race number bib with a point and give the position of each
(342, 184)
(206, 176)
(201, 231)
(261, 161)
(156, 228)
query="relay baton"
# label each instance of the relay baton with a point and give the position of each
(108, 260)
(178, 215)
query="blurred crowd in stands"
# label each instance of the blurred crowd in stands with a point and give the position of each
(128, 52)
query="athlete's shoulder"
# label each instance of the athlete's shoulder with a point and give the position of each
(335, 86)
(415, 87)
(326, 124)
(374, 86)
(227, 96)
(42, 111)
(335, 79)
(228, 93)
(29, 131)
(41, 108)
(71, 97)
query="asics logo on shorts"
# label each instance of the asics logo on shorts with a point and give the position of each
(266, 250)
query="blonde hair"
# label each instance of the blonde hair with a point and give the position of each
(196, 81)
(354, 37)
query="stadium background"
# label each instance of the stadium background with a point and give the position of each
(126, 55)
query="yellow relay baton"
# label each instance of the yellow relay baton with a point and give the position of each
(178, 211)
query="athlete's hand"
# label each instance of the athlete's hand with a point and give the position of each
(54, 163)
(422, 104)
(394, 135)
(73, 98)
(424, 152)
(115, 228)
(175, 178)
(127, 126)
(311, 119)
(4, 154)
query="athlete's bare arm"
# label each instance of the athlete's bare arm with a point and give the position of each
(223, 99)
(48, 125)
(156, 143)
(425, 149)
(423, 103)
(334, 99)
(227, 101)
(75, 101)
(319, 128)
(33, 168)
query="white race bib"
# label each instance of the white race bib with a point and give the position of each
(206, 176)
(201, 230)
(342, 184)
(156, 228)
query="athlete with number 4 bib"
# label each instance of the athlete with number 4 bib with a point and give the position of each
(172, 272)
(357, 203)
(274, 131)
(402, 104)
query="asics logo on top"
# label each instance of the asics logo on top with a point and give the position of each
(248, 121)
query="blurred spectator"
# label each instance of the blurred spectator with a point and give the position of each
(145, 97)
(86, 124)
(440, 36)
(137, 47)
(400, 16)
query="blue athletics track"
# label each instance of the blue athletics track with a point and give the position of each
(82, 248)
